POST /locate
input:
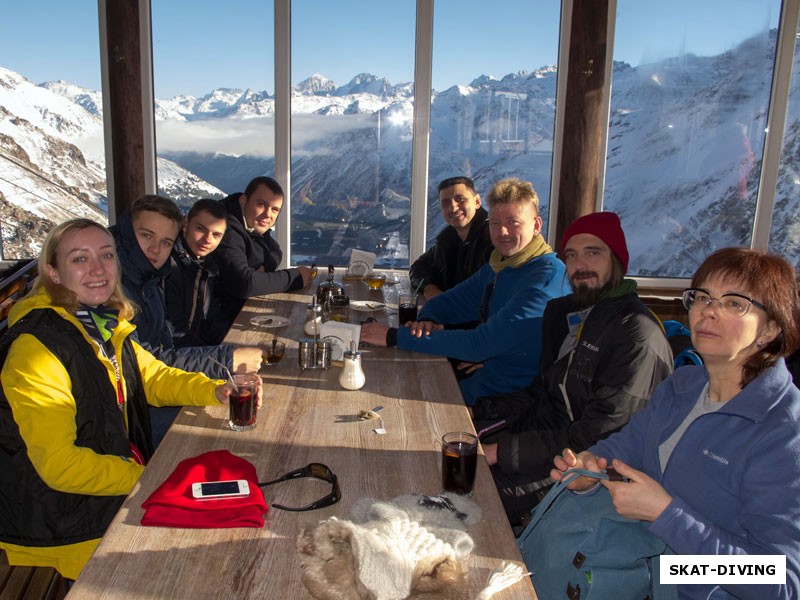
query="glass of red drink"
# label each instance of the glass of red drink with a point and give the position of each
(459, 459)
(243, 402)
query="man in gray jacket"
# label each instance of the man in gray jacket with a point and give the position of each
(603, 353)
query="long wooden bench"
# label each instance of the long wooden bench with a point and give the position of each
(30, 583)
(16, 280)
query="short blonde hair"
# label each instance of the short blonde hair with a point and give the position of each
(513, 190)
(62, 296)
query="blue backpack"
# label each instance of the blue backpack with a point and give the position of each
(577, 547)
(680, 340)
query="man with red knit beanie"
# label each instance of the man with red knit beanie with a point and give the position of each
(603, 353)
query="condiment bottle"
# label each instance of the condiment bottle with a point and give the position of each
(313, 319)
(352, 376)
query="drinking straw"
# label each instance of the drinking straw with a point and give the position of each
(227, 370)
(419, 287)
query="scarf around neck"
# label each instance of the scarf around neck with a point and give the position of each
(627, 286)
(536, 247)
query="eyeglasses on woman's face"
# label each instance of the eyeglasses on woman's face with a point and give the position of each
(733, 304)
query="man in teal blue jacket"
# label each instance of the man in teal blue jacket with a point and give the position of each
(507, 297)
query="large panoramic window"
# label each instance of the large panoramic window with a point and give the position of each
(351, 125)
(214, 96)
(493, 101)
(785, 233)
(691, 87)
(52, 165)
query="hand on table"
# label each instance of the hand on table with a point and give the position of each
(420, 328)
(246, 359)
(490, 452)
(307, 274)
(374, 333)
(469, 367)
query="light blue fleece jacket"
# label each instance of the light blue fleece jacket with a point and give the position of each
(508, 342)
(734, 475)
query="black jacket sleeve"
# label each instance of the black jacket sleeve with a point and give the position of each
(241, 280)
(425, 269)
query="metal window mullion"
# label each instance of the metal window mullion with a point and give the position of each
(776, 123)
(607, 89)
(423, 61)
(148, 97)
(283, 122)
(106, 101)
(560, 117)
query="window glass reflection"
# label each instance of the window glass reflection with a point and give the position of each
(52, 159)
(214, 108)
(690, 93)
(493, 101)
(352, 111)
(785, 234)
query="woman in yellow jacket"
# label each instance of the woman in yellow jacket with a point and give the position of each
(74, 431)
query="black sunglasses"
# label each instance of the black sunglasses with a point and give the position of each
(317, 471)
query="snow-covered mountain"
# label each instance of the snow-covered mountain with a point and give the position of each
(52, 164)
(700, 120)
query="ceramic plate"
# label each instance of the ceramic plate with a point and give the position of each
(338, 346)
(367, 305)
(358, 267)
(269, 322)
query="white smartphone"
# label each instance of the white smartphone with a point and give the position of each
(210, 490)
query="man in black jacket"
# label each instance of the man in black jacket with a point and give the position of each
(192, 274)
(603, 353)
(248, 257)
(462, 247)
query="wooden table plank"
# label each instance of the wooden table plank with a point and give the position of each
(306, 417)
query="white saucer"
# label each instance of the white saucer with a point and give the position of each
(269, 322)
(367, 305)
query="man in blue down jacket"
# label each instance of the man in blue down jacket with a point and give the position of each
(603, 354)
(507, 297)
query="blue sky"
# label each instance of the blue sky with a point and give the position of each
(200, 45)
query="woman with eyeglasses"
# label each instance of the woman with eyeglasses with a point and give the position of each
(713, 461)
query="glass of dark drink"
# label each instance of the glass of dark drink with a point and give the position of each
(459, 459)
(407, 308)
(272, 352)
(243, 402)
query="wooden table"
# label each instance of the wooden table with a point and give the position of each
(306, 417)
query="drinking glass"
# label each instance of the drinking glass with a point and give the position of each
(272, 352)
(243, 402)
(459, 459)
(407, 307)
(375, 281)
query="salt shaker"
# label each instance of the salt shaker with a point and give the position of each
(313, 319)
(352, 376)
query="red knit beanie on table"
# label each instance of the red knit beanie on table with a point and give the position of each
(606, 226)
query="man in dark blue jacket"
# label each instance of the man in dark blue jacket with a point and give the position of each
(144, 235)
(248, 257)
